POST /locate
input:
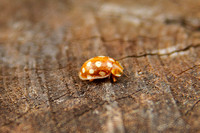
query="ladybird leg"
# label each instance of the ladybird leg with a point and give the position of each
(110, 76)
(91, 80)
(114, 78)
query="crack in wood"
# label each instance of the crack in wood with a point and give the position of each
(188, 69)
(157, 54)
(188, 111)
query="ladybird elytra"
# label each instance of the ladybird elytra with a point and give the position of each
(100, 67)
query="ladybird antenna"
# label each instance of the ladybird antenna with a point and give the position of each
(125, 74)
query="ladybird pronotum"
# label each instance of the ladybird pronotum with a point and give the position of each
(100, 67)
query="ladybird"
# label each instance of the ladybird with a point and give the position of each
(100, 67)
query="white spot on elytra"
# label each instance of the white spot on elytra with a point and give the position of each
(102, 73)
(109, 64)
(80, 76)
(91, 71)
(83, 70)
(98, 63)
(118, 75)
(89, 64)
(101, 56)
(111, 59)
(89, 77)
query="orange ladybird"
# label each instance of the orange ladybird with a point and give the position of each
(100, 67)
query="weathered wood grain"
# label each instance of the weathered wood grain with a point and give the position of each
(44, 43)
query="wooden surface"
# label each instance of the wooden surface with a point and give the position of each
(43, 44)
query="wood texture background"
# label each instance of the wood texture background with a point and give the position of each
(43, 44)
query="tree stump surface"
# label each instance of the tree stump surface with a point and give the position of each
(44, 43)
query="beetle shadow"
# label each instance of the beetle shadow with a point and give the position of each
(100, 81)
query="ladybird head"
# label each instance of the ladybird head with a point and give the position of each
(117, 69)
